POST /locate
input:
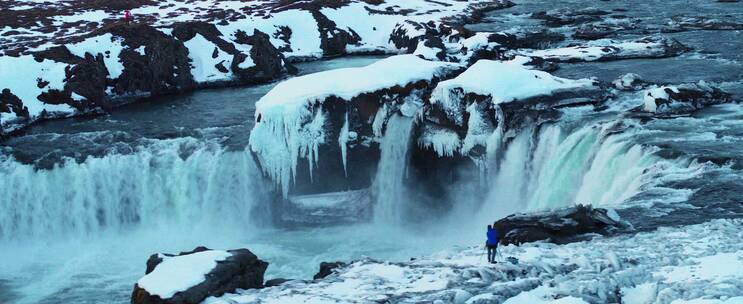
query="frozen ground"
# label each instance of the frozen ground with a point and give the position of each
(689, 264)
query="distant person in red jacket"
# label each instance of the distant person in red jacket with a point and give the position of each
(127, 16)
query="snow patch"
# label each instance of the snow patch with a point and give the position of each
(179, 273)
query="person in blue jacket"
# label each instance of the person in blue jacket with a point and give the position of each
(492, 244)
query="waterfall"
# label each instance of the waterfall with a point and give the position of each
(388, 185)
(179, 183)
(557, 167)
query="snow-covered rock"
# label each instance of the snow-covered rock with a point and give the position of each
(295, 119)
(559, 226)
(689, 264)
(682, 99)
(607, 49)
(191, 277)
(502, 82)
(629, 81)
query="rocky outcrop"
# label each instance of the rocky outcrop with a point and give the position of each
(689, 23)
(629, 82)
(163, 68)
(608, 50)
(234, 269)
(9, 103)
(683, 99)
(560, 227)
(327, 268)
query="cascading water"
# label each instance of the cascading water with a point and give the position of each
(171, 183)
(388, 185)
(558, 167)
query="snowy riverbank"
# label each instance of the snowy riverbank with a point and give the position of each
(66, 59)
(689, 264)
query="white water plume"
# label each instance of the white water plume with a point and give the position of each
(177, 183)
(562, 167)
(389, 189)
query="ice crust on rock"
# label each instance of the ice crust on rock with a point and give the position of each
(292, 111)
(691, 264)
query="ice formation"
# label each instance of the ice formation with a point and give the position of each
(682, 264)
(292, 111)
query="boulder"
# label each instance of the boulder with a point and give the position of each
(10, 103)
(276, 282)
(629, 82)
(560, 227)
(682, 99)
(326, 269)
(209, 273)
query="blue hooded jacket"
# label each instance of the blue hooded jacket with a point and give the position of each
(492, 237)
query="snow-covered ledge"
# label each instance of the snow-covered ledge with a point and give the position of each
(474, 99)
(292, 124)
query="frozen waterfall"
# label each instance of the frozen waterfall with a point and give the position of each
(556, 167)
(173, 183)
(389, 188)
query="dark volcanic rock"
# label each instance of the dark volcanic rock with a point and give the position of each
(333, 41)
(408, 34)
(88, 79)
(9, 103)
(527, 39)
(326, 269)
(269, 62)
(276, 282)
(163, 69)
(242, 270)
(562, 226)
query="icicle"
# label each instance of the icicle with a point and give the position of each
(343, 142)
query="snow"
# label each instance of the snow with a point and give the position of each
(88, 16)
(641, 294)
(733, 300)
(179, 273)
(503, 81)
(689, 264)
(650, 95)
(603, 48)
(721, 266)
(100, 45)
(200, 51)
(426, 52)
(542, 295)
(348, 83)
(23, 81)
(290, 110)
